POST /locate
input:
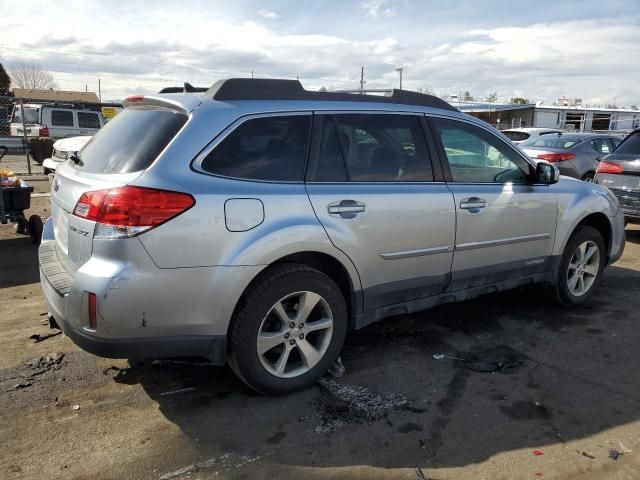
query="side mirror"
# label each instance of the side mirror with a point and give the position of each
(598, 159)
(546, 173)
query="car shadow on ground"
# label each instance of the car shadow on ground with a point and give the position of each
(18, 262)
(414, 393)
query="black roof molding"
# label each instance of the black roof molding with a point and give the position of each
(187, 88)
(273, 89)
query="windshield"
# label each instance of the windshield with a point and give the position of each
(552, 141)
(31, 115)
(131, 141)
(630, 146)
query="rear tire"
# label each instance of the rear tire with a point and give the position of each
(588, 177)
(287, 330)
(581, 267)
(21, 225)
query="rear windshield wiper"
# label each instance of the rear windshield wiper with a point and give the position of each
(75, 159)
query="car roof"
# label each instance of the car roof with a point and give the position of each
(533, 129)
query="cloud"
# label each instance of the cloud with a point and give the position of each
(268, 14)
(378, 8)
(132, 49)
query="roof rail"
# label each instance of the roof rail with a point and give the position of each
(275, 89)
(187, 88)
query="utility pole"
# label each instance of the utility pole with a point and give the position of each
(399, 70)
(251, 73)
(361, 80)
(99, 91)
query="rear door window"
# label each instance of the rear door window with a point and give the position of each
(88, 120)
(62, 118)
(272, 148)
(131, 141)
(601, 145)
(373, 148)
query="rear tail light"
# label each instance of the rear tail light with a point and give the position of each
(133, 99)
(556, 157)
(128, 211)
(43, 132)
(93, 323)
(606, 167)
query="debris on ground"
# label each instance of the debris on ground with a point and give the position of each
(343, 403)
(337, 369)
(75, 407)
(615, 454)
(51, 361)
(441, 356)
(178, 391)
(585, 454)
(537, 453)
(22, 385)
(115, 372)
(224, 463)
(501, 359)
(40, 338)
(419, 474)
(624, 449)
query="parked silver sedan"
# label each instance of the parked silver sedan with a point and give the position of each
(575, 154)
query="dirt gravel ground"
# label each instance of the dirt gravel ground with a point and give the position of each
(567, 394)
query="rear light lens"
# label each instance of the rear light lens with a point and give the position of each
(128, 211)
(43, 132)
(606, 167)
(134, 99)
(556, 157)
(93, 323)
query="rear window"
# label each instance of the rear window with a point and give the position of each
(552, 141)
(630, 146)
(62, 118)
(516, 136)
(131, 141)
(31, 115)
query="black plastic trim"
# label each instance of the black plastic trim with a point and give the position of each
(278, 89)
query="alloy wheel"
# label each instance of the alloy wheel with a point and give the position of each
(295, 334)
(583, 268)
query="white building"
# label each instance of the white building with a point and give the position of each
(583, 118)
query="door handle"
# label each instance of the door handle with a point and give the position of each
(346, 208)
(473, 204)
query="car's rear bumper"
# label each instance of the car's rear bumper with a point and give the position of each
(142, 311)
(629, 203)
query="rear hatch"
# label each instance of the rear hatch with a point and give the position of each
(113, 158)
(620, 170)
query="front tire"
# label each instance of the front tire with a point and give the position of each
(581, 267)
(288, 329)
(588, 177)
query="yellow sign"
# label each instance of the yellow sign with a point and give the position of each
(109, 112)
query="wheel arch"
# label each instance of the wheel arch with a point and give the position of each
(598, 221)
(329, 265)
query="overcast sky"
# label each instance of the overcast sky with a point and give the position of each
(541, 50)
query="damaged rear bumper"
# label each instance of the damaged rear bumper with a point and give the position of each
(142, 311)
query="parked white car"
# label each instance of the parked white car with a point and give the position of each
(518, 135)
(55, 121)
(62, 150)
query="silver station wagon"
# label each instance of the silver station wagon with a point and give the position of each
(256, 222)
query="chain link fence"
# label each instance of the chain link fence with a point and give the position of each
(29, 128)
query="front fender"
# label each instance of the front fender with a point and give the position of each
(576, 201)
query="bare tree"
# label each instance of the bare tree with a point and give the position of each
(492, 98)
(31, 76)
